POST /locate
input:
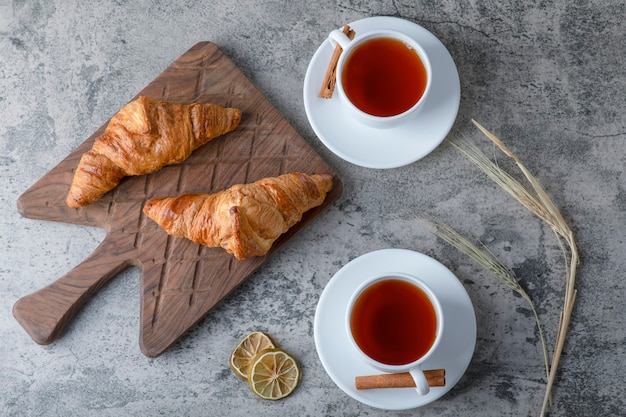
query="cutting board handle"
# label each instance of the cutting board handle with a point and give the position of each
(45, 313)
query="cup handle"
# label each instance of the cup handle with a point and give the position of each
(337, 37)
(421, 384)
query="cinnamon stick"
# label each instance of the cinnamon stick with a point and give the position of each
(330, 79)
(435, 378)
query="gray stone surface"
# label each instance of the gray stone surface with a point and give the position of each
(546, 76)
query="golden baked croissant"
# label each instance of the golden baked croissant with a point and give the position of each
(244, 219)
(143, 137)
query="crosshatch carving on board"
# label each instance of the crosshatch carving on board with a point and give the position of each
(180, 281)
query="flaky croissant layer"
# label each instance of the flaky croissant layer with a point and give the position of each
(244, 219)
(143, 137)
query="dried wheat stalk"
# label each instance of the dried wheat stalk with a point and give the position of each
(537, 201)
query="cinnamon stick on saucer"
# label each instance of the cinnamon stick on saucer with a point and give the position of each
(435, 378)
(330, 79)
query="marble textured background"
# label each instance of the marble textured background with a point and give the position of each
(548, 77)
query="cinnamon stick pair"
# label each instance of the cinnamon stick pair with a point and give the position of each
(330, 79)
(435, 378)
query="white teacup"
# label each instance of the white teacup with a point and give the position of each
(395, 321)
(389, 70)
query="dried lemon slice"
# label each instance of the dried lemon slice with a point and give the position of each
(247, 349)
(273, 374)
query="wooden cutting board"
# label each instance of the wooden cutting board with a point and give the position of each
(180, 280)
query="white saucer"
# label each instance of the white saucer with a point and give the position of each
(394, 147)
(340, 358)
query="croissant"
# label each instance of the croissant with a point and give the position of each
(143, 137)
(245, 219)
